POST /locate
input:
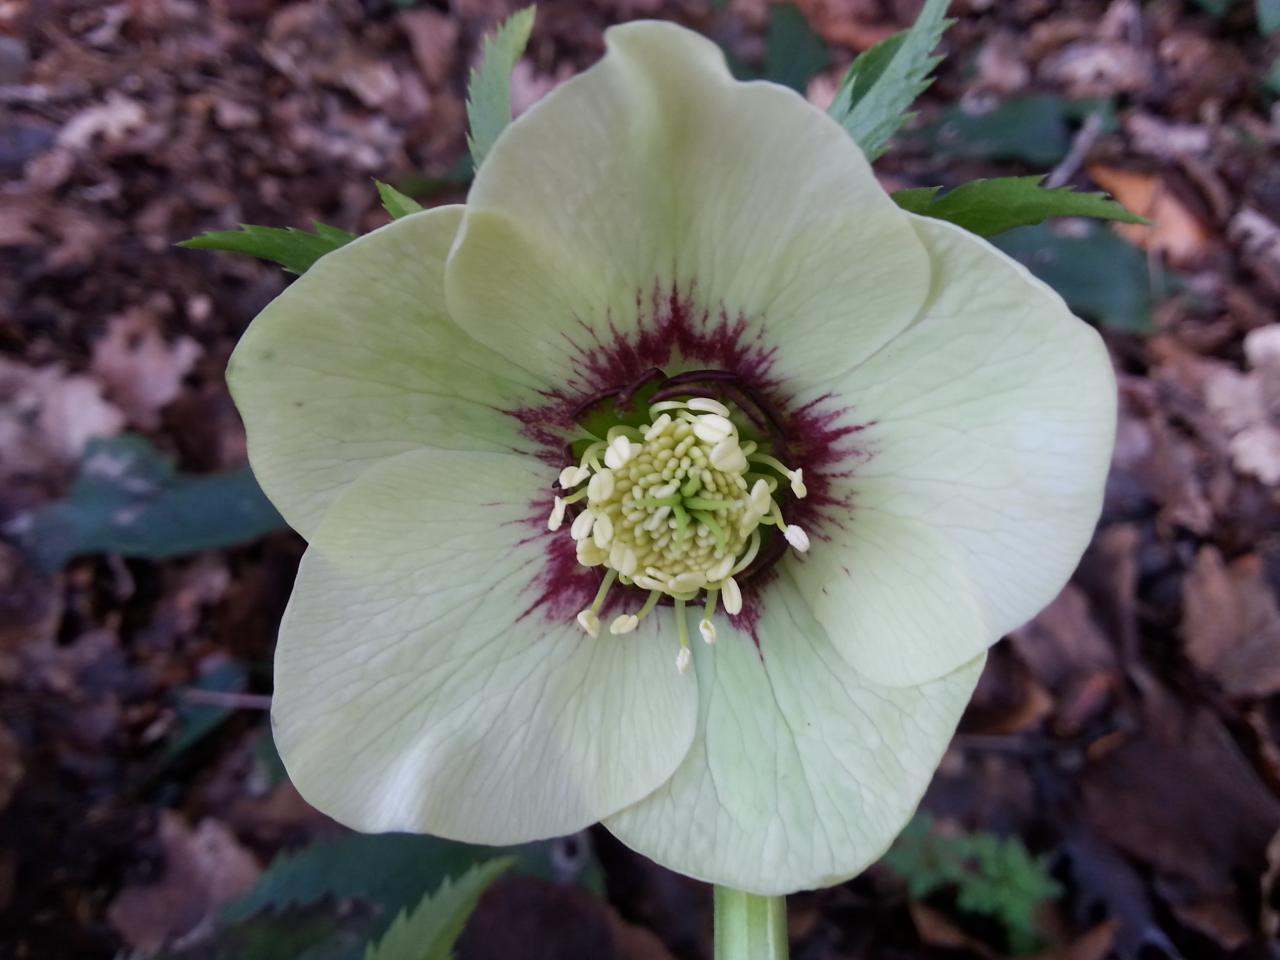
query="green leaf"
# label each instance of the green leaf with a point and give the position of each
(391, 871)
(489, 92)
(989, 207)
(884, 81)
(197, 720)
(318, 932)
(1031, 129)
(431, 929)
(128, 499)
(793, 53)
(295, 250)
(1268, 16)
(1099, 275)
(990, 876)
(1271, 81)
(395, 202)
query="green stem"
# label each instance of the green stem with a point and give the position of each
(748, 927)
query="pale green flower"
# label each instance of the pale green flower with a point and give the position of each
(892, 439)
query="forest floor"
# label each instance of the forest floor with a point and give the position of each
(1129, 737)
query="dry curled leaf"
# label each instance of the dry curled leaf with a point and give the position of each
(205, 869)
(1231, 624)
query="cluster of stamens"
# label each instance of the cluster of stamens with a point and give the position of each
(676, 508)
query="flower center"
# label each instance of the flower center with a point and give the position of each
(676, 506)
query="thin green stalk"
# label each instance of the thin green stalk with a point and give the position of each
(748, 927)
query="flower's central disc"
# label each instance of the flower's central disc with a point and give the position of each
(674, 506)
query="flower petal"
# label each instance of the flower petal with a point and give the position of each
(420, 687)
(357, 361)
(802, 771)
(990, 425)
(655, 173)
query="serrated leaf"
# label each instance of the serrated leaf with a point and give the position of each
(317, 932)
(489, 91)
(793, 53)
(128, 499)
(295, 250)
(1101, 276)
(989, 207)
(395, 202)
(429, 931)
(390, 870)
(873, 100)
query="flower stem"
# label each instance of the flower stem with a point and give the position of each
(748, 927)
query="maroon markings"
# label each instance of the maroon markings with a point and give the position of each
(677, 335)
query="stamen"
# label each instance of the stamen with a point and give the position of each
(659, 425)
(603, 592)
(796, 537)
(752, 549)
(557, 514)
(685, 657)
(623, 558)
(582, 524)
(602, 531)
(708, 405)
(706, 627)
(618, 453)
(721, 569)
(572, 476)
(589, 622)
(687, 583)
(662, 405)
(727, 456)
(624, 623)
(732, 597)
(601, 486)
(712, 428)
(795, 476)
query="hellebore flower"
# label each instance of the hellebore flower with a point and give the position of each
(679, 369)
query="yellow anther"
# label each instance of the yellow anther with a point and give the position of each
(557, 514)
(731, 595)
(624, 623)
(796, 537)
(707, 405)
(601, 486)
(590, 622)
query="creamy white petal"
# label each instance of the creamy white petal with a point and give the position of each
(655, 171)
(358, 361)
(802, 771)
(420, 686)
(990, 424)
